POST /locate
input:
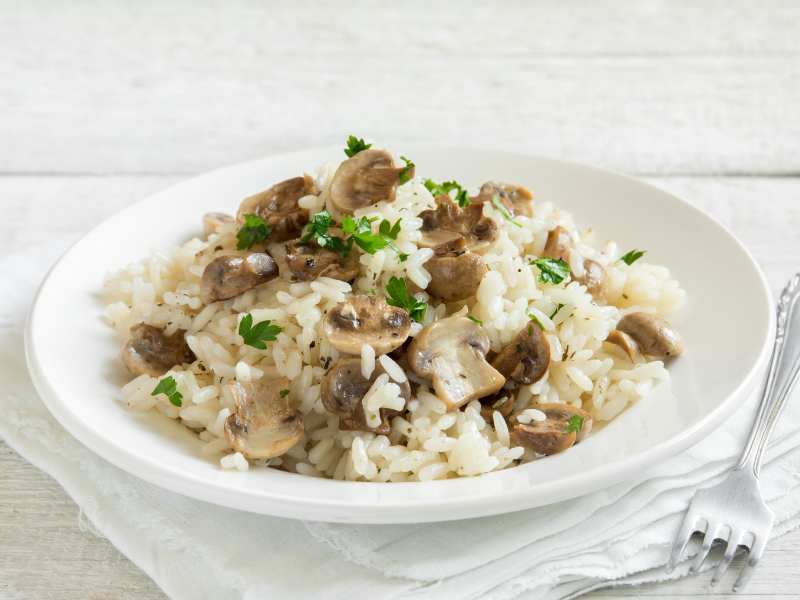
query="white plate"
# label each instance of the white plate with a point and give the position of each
(727, 327)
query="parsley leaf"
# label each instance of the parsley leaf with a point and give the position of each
(256, 335)
(169, 387)
(317, 229)
(444, 189)
(254, 231)
(551, 270)
(504, 211)
(407, 173)
(355, 145)
(361, 233)
(632, 256)
(284, 392)
(399, 297)
(475, 320)
(575, 424)
(558, 308)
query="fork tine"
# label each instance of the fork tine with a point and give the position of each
(688, 527)
(757, 549)
(730, 552)
(712, 533)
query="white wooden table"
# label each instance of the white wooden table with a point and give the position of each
(101, 104)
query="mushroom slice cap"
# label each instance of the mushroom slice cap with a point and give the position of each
(447, 221)
(554, 434)
(654, 335)
(150, 351)
(526, 358)
(559, 245)
(625, 342)
(262, 424)
(308, 261)
(455, 275)
(452, 354)
(594, 277)
(228, 276)
(361, 319)
(366, 178)
(516, 198)
(344, 387)
(212, 221)
(278, 207)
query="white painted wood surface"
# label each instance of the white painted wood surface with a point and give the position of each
(104, 103)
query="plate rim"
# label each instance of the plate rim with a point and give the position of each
(429, 509)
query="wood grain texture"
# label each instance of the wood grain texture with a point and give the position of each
(646, 87)
(47, 552)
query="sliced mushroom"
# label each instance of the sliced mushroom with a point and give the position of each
(262, 424)
(368, 177)
(343, 389)
(363, 320)
(307, 261)
(455, 274)
(279, 209)
(502, 401)
(654, 336)
(559, 246)
(625, 342)
(228, 276)
(556, 433)
(214, 220)
(515, 198)
(447, 222)
(526, 358)
(151, 352)
(452, 354)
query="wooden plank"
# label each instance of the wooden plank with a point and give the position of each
(642, 87)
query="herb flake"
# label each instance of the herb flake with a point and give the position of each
(551, 270)
(255, 230)
(475, 320)
(169, 387)
(284, 392)
(444, 189)
(399, 296)
(256, 335)
(355, 145)
(575, 424)
(631, 257)
(407, 173)
(501, 208)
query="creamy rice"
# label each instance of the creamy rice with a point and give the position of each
(426, 441)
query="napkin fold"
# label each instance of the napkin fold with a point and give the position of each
(617, 536)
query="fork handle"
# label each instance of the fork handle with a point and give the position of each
(784, 367)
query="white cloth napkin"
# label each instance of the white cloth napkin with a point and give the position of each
(192, 549)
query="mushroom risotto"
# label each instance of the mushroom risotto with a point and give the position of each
(369, 324)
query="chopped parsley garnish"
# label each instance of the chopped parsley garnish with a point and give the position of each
(406, 173)
(361, 233)
(254, 231)
(504, 211)
(632, 256)
(400, 297)
(475, 320)
(256, 335)
(558, 308)
(169, 387)
(284, 392)
(444, 189)
(575, 424)
(317, 229)
(536, 320)
(551, 270)
(355, 145)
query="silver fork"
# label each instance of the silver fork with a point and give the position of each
(734, 511)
